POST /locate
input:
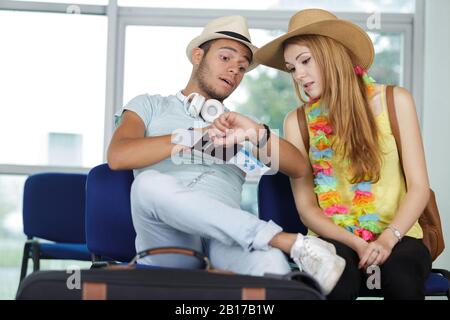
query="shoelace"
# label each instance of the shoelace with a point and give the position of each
(310, 253)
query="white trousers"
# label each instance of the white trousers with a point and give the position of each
(167, 213)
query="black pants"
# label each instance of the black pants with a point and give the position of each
(402, 276)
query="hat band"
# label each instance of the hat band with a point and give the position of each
(234, 35)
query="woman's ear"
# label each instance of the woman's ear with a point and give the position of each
(197, 55)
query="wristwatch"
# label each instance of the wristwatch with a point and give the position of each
(261, 143)
(396, 232)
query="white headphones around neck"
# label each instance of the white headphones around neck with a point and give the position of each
(196, 105)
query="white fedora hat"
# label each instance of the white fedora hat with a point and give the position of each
(230, 27)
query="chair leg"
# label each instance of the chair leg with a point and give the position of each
(97, 262)
(36, 256)
(95, 258)
(26, 256)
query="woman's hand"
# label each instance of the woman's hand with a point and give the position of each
(361, 247)
(232, 127)
(377, 252)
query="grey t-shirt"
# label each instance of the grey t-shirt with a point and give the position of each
(162, 116)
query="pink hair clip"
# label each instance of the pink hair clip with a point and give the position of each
(359, 71)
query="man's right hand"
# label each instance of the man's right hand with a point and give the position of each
(232, 128)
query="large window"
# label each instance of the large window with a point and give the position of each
(154, 65)
(53, 88)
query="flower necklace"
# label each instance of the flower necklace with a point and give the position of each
(361, 218)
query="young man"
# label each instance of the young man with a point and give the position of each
(197, 205)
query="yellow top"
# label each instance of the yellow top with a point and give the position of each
(390, 190)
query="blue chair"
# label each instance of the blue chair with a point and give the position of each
(276, 203)
(110, 234)
(53, 210)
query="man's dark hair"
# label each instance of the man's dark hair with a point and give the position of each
(206, 45)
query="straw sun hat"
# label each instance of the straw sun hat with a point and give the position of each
(320, 22)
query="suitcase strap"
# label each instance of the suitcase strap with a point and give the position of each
(171, 250)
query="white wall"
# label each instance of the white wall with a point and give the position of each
(436, 116)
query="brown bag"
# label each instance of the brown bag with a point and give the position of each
(429, 220)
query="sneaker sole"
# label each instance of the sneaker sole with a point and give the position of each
(333, 275)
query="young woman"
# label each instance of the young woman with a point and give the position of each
(356, 195)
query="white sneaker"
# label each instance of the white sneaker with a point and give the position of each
(316, 259)
(321, 243)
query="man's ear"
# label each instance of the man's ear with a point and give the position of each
(197, 55)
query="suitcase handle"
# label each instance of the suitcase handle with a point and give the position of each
(169, 250)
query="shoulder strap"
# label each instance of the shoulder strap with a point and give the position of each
(302, 124)
(393, 120)
(394, 123)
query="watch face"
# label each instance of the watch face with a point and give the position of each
(395, 232)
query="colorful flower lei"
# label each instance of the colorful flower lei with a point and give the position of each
(361, 218)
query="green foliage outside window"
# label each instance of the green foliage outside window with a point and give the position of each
(270, 97)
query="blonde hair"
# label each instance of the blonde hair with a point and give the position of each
(345, 97)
